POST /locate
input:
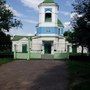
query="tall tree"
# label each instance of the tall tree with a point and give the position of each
(81, 23)
(7, 21)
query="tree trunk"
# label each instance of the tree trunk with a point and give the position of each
(82, 50)
(88, 50)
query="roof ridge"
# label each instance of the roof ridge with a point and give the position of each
(59, 23)
(48, 1)
(18, 37)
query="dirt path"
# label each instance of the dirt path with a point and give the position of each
(34, 75)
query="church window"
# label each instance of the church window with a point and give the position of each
(24, 48)
(48, 17)
(48, 14)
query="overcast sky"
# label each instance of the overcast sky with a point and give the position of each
(27, 11)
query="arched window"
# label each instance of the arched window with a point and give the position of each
(48, 15)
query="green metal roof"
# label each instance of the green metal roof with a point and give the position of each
(17, 38)
(59, 23)
(48, 1)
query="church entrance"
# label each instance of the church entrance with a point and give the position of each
(47, 47)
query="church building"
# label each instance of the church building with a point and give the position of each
(48, 41)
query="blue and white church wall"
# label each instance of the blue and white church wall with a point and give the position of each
(48, 26)
(49, 31)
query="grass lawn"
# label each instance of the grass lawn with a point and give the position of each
(5, 60)
(79, 75)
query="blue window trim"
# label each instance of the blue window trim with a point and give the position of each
(48, 9)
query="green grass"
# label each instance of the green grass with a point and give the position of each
(5, 60)
(79, 75)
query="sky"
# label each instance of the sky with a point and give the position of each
(27, 11)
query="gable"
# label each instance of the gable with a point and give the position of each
(59, 23)
(23, 39)
(17, 38)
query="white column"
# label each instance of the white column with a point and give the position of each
(28, 48)
(15, 52)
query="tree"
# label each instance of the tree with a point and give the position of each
(81, 27)
(81, 23)
(7, 18)
(5, 42)
(70, 36)
(7, 21)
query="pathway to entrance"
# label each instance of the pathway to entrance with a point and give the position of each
(34, 75)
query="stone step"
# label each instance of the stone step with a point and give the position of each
(47, 56)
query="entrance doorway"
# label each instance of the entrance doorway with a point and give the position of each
(47, 47)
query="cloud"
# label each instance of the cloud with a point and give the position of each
(32, 3)
(30, 21)
(65, 13)
(67, 25)
(30, 34)
(15, 31)
(75, 15)
(68, 3)
(16, 13)
(71, 15)
(21, 32)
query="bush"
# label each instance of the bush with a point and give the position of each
(5, 60)
(79, 57)
(79, 75)
(6, 55)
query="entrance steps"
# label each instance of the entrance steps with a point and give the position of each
(47, 56)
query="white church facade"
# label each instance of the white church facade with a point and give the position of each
(48, 42)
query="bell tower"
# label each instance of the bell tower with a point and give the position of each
(48, 25)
